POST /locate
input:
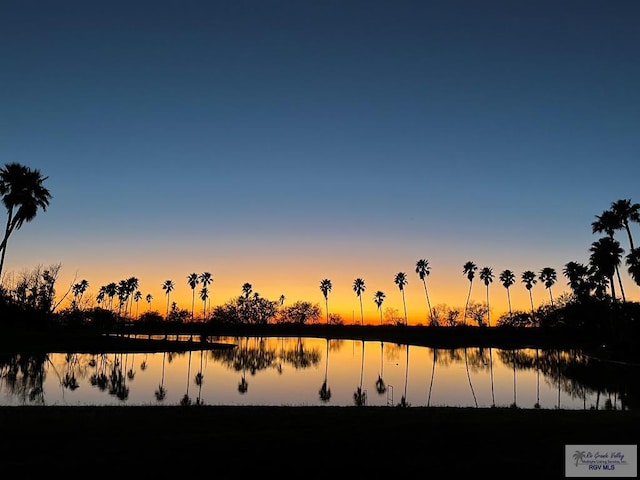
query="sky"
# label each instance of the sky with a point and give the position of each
(279, 143)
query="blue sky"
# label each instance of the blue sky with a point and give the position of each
(282, 142)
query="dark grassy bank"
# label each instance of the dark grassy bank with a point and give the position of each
(304, 442)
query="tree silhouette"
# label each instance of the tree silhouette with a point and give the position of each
(325, 288)
(633, 265)
(548, 276)
(577, 275)
(626, 212)
(359, 287)
(486, 275)
(401, 280)
(529, 280)
(468, 269)
(192, 280)
(204, 295)
(137, 296)
(378, 298)
(23, 193)
(423, 270)
(508, 278)
(605, 257)
(205, 279)
(149, 297)
(608, 222)
(168, 287)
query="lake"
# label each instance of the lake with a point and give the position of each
(285, 371)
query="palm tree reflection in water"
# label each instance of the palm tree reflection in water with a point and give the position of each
(161, 392)
(466, 363)
(325, 391)
(433, 374)
(199, 380)
(186, 400)
(360, 396)
(403, 400)
(381, 387)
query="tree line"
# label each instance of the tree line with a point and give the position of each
(24, 194)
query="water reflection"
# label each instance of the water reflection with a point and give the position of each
(310, 371)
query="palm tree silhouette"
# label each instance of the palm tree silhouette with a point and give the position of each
(486, 275)
(529, 280)
(403, 400)
(626, 212)
(608, 222)
(401, 280)
(359, 287)
(137, 296)
(161, 392)
(508, 278)
(468, 269)
(433, 373)
(423, 270)
(466, 364)
(204, 295)
(577, 275)
(360, 396)
(633, 265)
(192, 281)
(548, 276)
(378, 298)
(205, 279)
(605, 256)
(325, 391)
(325, 288)
(23, 193)
(149, 297)
(247, 288)
(168, 287)
(381, 387)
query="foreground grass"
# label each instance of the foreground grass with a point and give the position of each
(304, 442)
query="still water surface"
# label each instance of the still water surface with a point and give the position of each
(306, 372)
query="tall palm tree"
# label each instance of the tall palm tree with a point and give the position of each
(468, 269)
(149, 297)
(626, 212)
(378, 297)
(423, 270)
(401, 280)
(23, 193)
(168, 287)
(111, 289)
(192, 281)
(204, 295)
(131, 286)
(359, 287)
(548, 276)
(137, 296)
(508, 278)
(605, 257)
(577, 275)
(205, 279)
(325, 288)
(608, 222)
(529, 280)
(486, 275)
(633, 265)
(247, 288)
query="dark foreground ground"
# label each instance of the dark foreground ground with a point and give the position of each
(301, 442)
